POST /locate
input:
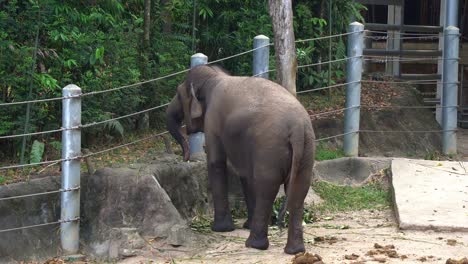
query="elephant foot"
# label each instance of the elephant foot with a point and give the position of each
(246, 224)
(223, 226)
(294, 249)
(261, 244)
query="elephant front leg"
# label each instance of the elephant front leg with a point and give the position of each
(218, 182)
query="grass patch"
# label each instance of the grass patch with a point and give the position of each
(347, 198)
(324, 152)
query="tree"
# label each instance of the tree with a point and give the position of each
(285, 51)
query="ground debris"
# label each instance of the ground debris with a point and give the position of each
(454, 261)
(55, 261)
(351, 257)
(381, 260)
(451, 242)
(378, 246)
(307, 258)
(388, 250)
(329, 239)
(422, 259)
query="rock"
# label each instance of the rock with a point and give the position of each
(39, 243)
(128, 253)
(100, 249)
(349, 171)
(179, 235)
(311, 199)
(121, 204)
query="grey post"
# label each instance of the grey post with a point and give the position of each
(353, 89)
(71, 147)
(261, 56)
(450, 90)
(451, 9)
(197, 140)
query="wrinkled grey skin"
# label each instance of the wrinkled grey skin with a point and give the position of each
(264, 132)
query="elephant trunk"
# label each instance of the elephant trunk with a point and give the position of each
(174, 118)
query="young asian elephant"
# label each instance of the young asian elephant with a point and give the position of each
(264, 132)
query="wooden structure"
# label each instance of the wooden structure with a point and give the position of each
(418, 17)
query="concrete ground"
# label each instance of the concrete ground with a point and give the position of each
(462, 143)
(431, 194)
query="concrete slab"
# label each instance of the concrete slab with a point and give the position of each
(431, 194)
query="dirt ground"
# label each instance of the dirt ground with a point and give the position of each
(354, 237)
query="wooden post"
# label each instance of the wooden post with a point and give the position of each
(285, 50)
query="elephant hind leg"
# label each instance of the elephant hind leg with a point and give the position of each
(267, 183)
(295, 205)
(247, 189)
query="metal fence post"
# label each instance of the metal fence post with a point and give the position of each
(451, 9)
(353, 89)
(261, 56)
(71, 147)
(450, 90)
(197, 140)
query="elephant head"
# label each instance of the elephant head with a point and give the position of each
(189, 104)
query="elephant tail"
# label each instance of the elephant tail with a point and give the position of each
(296, 144)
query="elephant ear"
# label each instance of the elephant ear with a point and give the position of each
(195, 108)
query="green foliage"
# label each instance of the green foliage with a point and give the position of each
(97, 45)
(308, 217)
(434, 155)
(57, 145)
(37, 150)
(324, 152)
(201, 223)
(309, 24)
(347, 198)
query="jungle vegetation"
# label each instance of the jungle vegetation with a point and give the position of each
(101, 44)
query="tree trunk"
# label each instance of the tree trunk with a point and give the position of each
(166, 17)
(147, 24)
(285, 50)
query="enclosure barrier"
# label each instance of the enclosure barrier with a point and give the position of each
(353, 89)
(71, 147)
(450, 90)
(71, 155)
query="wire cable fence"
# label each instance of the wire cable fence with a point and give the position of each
(158, 78)
(164, 105)
(38, 194)
(41, 225)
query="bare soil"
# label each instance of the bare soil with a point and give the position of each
(354, 237)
